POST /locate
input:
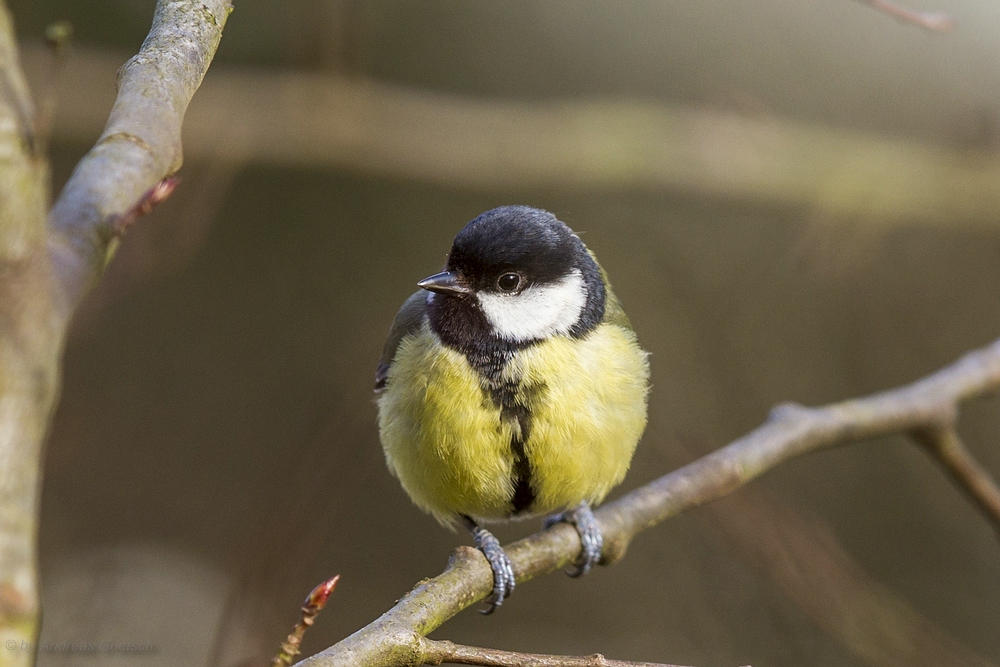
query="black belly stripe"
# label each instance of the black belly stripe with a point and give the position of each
(524, 494)
(514, 412)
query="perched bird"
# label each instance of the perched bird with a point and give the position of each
(512, 385)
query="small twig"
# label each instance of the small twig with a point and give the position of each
(951, 452)
(314, 604)
(150, 200)
(445, 652)
(146, 204)
(936, 21)
(58, 37)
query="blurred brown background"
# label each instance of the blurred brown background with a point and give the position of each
(214, 455)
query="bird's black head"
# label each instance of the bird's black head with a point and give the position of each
(516, 275)
(527, 242)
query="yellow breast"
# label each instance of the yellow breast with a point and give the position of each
(445, 441)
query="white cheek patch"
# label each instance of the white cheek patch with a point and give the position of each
(537, 312)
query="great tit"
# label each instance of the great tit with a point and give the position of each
(512, 385)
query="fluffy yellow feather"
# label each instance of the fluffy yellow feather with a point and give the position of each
(446, 442)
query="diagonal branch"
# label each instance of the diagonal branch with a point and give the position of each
(141, 143)
(952, 454)
(935, 21)
(927, 405)
(808, 564)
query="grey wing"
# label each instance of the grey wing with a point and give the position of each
(613, 311)
(407, 321)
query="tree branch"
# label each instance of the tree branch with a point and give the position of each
(595, 145)
(446, 652)
(29, 345)
(927, 405)
(46, 268)
(945, 444)
(141, 143)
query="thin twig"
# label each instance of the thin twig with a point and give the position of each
(445, 652)
(313, 605)
(155, 196)
(58, 37)
(397, 637)
(951, 452)
(936, 21)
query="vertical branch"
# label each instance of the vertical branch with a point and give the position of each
(29, 347)
(46, 269)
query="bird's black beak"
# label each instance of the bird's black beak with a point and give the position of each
(444, 283)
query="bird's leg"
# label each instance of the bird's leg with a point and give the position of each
(503, 571)
(591, 540)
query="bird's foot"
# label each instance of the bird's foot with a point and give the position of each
(503, 571)
(591, 539)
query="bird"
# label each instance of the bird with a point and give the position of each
(512, 385)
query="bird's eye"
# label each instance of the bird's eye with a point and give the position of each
(509, 282)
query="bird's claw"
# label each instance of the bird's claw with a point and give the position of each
(503, 570)
(591, 539)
